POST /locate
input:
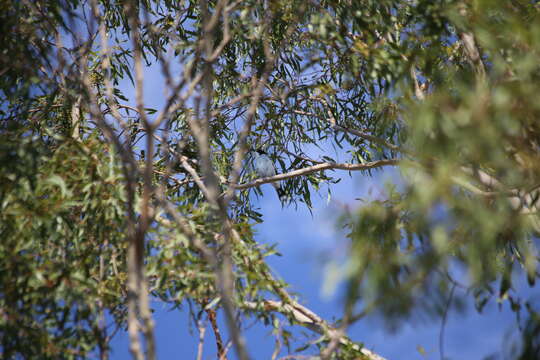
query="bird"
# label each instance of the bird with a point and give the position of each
(264, 167)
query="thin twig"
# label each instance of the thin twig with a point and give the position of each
(443, 321)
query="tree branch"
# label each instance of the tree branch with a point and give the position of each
(315, 168)
(332, 120)
(201, 326)
(221, 353)
(471, 49)
(305, 317)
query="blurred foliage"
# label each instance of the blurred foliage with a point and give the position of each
(466, 211)
(62, 254)
(466, 201)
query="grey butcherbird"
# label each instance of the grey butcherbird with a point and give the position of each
(264, 167)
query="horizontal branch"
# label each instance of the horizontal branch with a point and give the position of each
(318, 167)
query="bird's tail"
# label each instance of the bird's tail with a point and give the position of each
(283, 197)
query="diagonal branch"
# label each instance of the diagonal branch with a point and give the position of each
(305, 317)
(332, 120)
(369, 137)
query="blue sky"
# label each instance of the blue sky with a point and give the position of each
(305, 240)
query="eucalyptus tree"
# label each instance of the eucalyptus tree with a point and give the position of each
(107, 203)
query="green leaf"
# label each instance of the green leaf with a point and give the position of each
(58, 181)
